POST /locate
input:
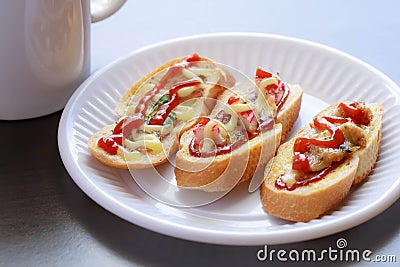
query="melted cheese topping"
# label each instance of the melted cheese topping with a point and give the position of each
(321, 158)
(149, 139)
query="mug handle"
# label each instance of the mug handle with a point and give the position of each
(101, 9)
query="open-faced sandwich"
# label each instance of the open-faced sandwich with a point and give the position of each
(315, 170)
(155, 109)
(240, 135)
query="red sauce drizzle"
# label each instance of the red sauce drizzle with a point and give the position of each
(163, 112)
(285, 95)
(194, 149)
(124, 127)
(193, 58)
(262, 74)
(359, 116)
(279, 92)
(335, 141)
(127, 125)
(172, 71)
(300, 161)
(144, 102)
(233, 99)
(110, 144)
(273, 90)
(280, 184)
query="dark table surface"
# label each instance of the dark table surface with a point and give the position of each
(46, 220)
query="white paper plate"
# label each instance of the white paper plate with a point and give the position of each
(326, 75)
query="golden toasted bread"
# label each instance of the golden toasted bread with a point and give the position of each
(247, 126)
(315, 170)
(155, 109)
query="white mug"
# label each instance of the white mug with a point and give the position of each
(45, 52)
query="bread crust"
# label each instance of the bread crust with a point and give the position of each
(224, 171)
(313, 200)
(221, 173)
(170, 145)
(369, 155)
(114, 161)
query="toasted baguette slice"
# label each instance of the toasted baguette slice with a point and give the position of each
(224, 171)
(150, 144)
(123, 160)
(311, 200)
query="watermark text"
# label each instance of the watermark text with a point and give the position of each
(338, 253)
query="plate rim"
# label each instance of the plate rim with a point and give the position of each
(195, 234)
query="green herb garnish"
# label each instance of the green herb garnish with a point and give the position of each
(163, 99)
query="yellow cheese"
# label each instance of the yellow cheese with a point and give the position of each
(148, 141)
(184, 113)
(268, 81)
(240, 107)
